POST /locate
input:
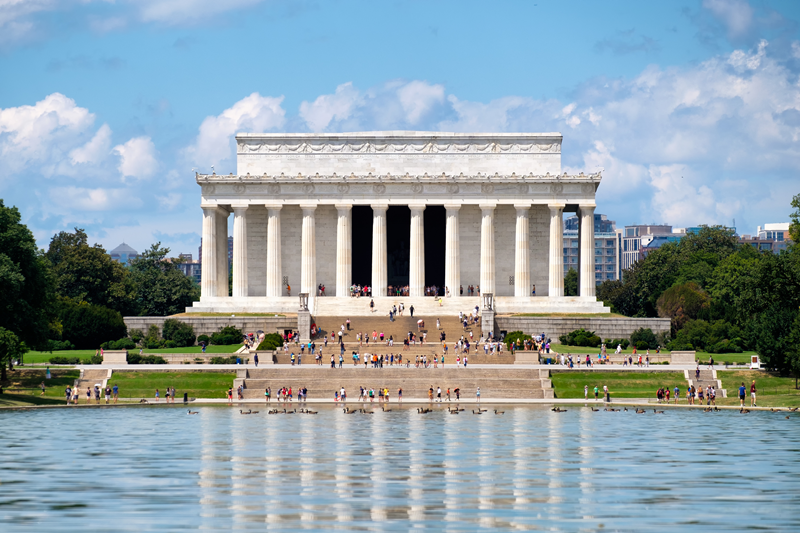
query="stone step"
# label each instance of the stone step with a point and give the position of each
(304, 372)
(398, 329)
(423, 306)
(352, 393)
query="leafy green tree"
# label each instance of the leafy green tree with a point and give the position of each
(86, 273)
(682, 303)
(161, 287)
(26, 286)
(10, 348)
(88, 326)
(180, 332)
(644, 338)
(571, 283)
(731, 281)
(794, 227)
(772, 330)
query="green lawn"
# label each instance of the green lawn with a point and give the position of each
(19, 400)
(194, 349)
(29, 380)
(190, 315)
(773, 390)
(196, 384)
(620, 384)
(594, 351)
(741, 358)
(44, 357)
(571, 315)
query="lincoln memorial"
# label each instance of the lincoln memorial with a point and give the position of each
(396, 209)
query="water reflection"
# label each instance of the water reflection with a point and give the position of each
(527, 469)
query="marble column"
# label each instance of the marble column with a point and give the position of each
(587, 275)
(487, 249)
(416, 255)
(222, 252)
(208, 272)
(452, 257)
(556, 250)
(344, 249)
(308, 252)
(240, 251)
(522, 253)
(379, 261)
(274, 272)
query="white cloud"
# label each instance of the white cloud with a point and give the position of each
(418, 98)
(176, 12)
(736, 15)
(327, 107)
(97, 199)
(254, 113)
(137, 158)
(95, 150)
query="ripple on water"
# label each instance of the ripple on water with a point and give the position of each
(132, 469)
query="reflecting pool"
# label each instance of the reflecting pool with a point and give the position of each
(134, 469)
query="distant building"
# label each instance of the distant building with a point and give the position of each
(193, 269)
(606, 248)
(632, 241)
(769, 238)
(123, 254)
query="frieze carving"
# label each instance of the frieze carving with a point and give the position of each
(415, 146)
(208, 189)
(416, 188)
(587, 187)
(452, 188)
(556, 188)
(274, 188)
(308, 188)
(523, 189)
(379, 188)
(343, 188)
(238, 188)
(487, 188)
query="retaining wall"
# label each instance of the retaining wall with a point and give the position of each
(206, 325)
(605, 328)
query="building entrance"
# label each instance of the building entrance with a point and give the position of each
(398, 234)
(361, 224)
(435, 223)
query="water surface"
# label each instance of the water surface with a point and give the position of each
(135, 469)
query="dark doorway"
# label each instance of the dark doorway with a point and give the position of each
(398, 233)
(435, 222)
(361, 224)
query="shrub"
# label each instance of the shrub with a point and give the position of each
(179, 332)
(61, 360)
(612, 344)
(516, 336)
(228, 335)
(152, 341)
(96, 359)
(136, 335)
(55, 346)
(682, 303)
(88, 326)
(702, 335)
(170, 344)
(580, 337)
(223, 360)
(271, 342)
(122, 344)
(726, 346)
(136, 359)
(203, 338)
(644, 338)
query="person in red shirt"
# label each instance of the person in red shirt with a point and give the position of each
(753, 394)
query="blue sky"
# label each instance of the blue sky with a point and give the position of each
(692, 108)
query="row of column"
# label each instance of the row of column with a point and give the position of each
(215, 223)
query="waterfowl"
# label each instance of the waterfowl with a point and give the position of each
(478, 412)
(640, 411)
(658, 412)
(498, 412)
(744, 411)
(190, 412)
(243, 413)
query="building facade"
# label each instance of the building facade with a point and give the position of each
(409, 209)
(123, 254)
(607, 247)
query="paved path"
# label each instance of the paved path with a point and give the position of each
(311, 366)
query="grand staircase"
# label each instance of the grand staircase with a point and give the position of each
(510, 383)
(91, 377)
(707, 377)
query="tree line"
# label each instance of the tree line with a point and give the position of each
(73, 295)
(721, 296)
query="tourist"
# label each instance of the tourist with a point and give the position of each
(448, 394)
(372, 306)
(596, 391)
(400, 395)
(68, 392)
(75, 394)
(586, 392)
(677, 394)
(478, 395)
(753, 394)
(42, 386)
(97, 394)
(430, 394)
(230, 395)
(343, 394)
(267, 393)
(108, 394)
(255, 359)
(89, 394)
(292, 358)
(156, 395)
(439, 394)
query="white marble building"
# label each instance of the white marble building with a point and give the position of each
(501, 199)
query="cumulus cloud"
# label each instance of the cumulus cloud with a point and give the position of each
(95, 150)
(327, 107)
(137, 158)
(254, 113)
(736, 15)
(94, 199)
(175, 12)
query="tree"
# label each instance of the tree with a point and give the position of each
(86, 273)
(88, 326)
(794, 227)
(179, 332)
(571, 283)
(162, 288)
(682, 303)
(10, 348)
(26, 287)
